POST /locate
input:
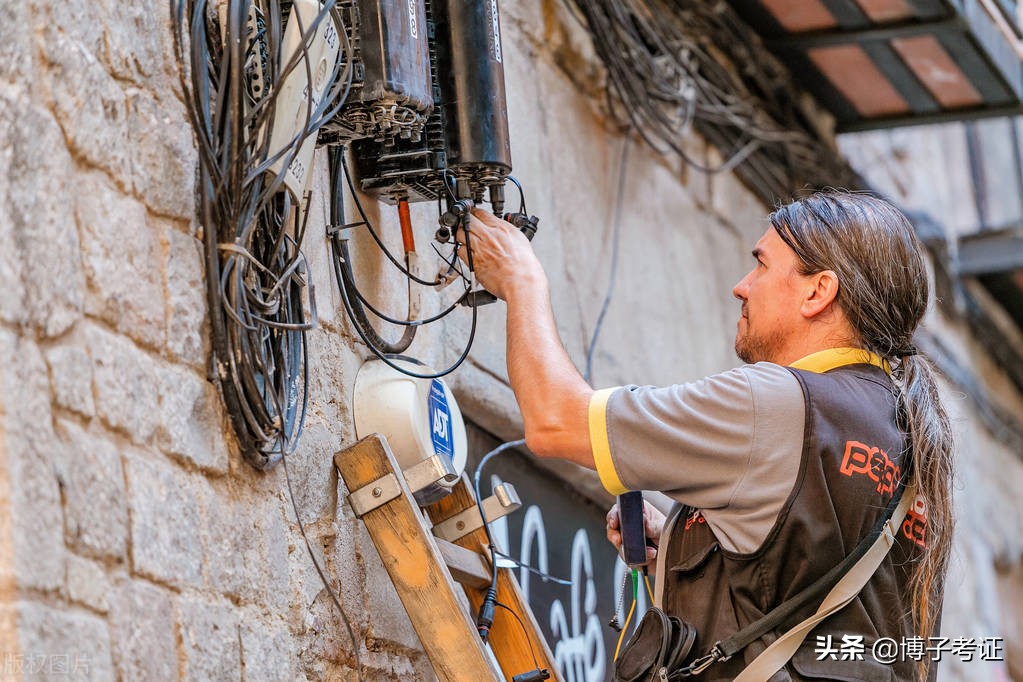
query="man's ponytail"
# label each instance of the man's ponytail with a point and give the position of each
(931, 447)
(883, 294)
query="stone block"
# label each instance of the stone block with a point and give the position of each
(71, 376)
(87, 583)
(165, 540)
(16, 50)
(35, 518)
(42, 245)
(227, 540)
(61, 645)
(312, 471)
(333, 365)
(123, 260)
(96, 518)
(387, 619)
(266, 649)
(210, 637)
(126, 389)
(89, 105)
(190, 419)
(142, 628)
(146, 62)
(187, 330)
(267, 556)
(36, 523)
(82, 22)
(12, 303)
(163, 158)
(26, 396)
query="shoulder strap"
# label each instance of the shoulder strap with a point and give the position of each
(845, 580)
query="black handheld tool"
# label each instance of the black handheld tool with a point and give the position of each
(630, 523)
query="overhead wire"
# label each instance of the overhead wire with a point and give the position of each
(613, 268)
(673, 66)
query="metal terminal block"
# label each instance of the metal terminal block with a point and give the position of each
(436, 469)
(504, 501)
(375, 494)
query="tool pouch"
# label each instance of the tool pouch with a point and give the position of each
(660, 644)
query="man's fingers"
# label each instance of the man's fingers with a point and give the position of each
(481, 216)
(475, 226)
(614, 536)
(612, 517)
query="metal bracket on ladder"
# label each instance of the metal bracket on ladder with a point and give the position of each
(386, 488)
(504, 501)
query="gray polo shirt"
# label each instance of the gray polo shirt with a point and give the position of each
(729, 445)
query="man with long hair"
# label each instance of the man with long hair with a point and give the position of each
(781, 466)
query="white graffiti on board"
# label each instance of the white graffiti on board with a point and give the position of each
(578, 643)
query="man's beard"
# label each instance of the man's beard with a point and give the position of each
(751, 347)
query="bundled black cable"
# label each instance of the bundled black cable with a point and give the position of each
(261, 302)
(675, 65)
(355, 302)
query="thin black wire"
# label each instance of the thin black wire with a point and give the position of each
(546, 577)
(615, 233)
(479, 502)
(529, 640)
(350, 294)
(343, 270)
(522, 195)
(369, 226)
(322, 573)
(343, 266)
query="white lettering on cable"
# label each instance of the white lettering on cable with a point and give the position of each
(496, 29)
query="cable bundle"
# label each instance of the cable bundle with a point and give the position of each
(260, 300)
(677, 64)
(359, 308)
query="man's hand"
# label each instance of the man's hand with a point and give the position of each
(502, 257)
(653, 524)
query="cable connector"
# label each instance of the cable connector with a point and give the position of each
(533, 676)
(485, 619)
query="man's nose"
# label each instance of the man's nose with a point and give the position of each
(739, 290)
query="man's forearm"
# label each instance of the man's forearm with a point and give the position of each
(552, 395)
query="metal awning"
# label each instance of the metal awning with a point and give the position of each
(886, 63)
(995, 258)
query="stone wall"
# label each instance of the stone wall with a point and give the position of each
(134, 540)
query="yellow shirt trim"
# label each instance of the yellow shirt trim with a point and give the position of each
(829, 359)
(600, 443)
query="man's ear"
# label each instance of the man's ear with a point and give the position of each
(822, 289)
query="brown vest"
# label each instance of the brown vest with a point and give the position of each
(853, 458)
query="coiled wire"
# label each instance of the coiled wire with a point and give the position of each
(260, 298)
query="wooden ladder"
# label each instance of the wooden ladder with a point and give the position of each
(424, 567)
